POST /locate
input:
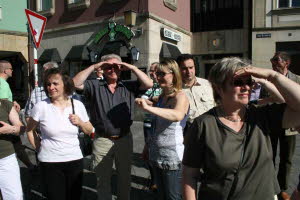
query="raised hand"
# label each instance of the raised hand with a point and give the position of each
(142, 103)
(98, 65)
(256, 72)
(125, 66)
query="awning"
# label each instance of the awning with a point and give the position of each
(78, 53)
(50, 55)
(169, 51)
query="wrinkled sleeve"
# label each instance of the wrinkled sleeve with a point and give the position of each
(133, 86)
(7, 105)
(82, 112)
(36, 112)
(194, 145)
(87, 88)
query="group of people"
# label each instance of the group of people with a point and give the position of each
(197, 130)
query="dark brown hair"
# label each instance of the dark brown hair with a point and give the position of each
(69, 87)
(283, 55)
(183, 57)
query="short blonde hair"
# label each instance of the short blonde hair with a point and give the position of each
(172, 66)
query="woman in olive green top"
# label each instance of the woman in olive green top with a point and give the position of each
(10, 124)
(231, 142)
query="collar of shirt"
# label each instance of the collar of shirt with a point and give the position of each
(196, 83)
(104, 82)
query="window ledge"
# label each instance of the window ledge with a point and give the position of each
(79, 5)
(47, 13)
(284, 11)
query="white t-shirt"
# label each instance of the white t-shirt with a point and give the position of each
(59, 136)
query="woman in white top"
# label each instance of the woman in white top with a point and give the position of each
(58, 149)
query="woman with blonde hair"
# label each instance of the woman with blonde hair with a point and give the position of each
(166, 139)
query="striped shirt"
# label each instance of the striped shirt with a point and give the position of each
(37, 95)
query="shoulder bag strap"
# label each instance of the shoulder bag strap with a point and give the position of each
(73, 109)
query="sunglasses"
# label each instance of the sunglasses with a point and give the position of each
(242, 82)
(109, 67)
(162, 74)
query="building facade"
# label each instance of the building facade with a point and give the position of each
(14, 45)
(79, 32)
(276, 27)
(221, 28)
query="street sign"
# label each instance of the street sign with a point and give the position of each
(263, 35)
(37, 25)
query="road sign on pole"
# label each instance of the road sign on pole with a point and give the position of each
(37, 25)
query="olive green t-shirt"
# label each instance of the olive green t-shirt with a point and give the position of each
(6, 146)
(215, 148)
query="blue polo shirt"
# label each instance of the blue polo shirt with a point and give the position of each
(111, 113)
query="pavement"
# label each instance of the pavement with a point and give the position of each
(139, 173)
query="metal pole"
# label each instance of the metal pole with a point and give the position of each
(36, 79)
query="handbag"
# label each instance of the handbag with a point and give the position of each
(85, 141)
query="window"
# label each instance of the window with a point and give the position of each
(44, 5)
(78, 4)
(74, 1)
(0, 13)
(288, 3)
(211, 15)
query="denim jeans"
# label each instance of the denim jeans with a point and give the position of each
(169, 183)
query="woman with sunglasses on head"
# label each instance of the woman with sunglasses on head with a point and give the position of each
(231, 142)
(59, 153)
(165, 143)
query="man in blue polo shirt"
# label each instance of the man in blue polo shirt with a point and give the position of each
(111, 113)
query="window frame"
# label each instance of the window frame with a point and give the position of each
(48, 12)
(80, 4)
(289, 6)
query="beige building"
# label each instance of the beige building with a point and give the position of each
(220, 29)
(276, 27)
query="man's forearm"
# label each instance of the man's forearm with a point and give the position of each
(82, 76)
(145, 81)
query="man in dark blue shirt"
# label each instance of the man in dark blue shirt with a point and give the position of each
(111, 112)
